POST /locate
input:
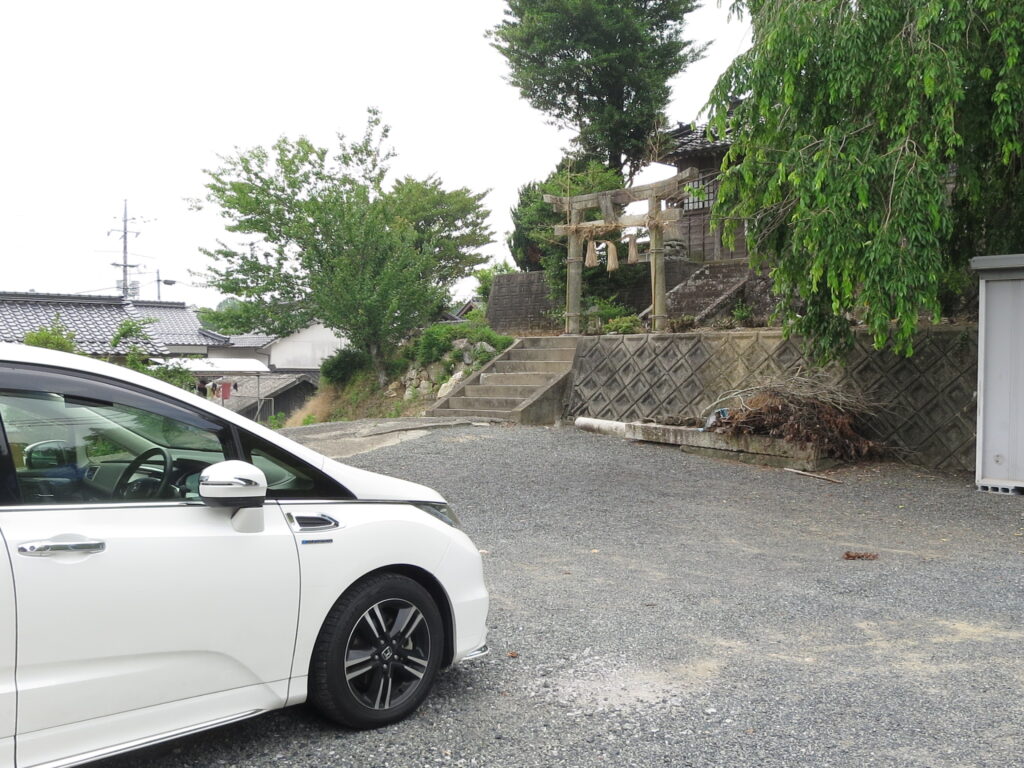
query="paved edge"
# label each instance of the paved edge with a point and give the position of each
(372, 427)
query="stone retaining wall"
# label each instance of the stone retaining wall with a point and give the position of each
(520, 304)
(928, 405)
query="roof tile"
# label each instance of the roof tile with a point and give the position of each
(93, 319)
(178, 324)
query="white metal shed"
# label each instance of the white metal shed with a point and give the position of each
(1000, 458)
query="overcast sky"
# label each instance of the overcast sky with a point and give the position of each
(103, 101)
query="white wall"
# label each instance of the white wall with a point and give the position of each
(236, 352)
(306, 348)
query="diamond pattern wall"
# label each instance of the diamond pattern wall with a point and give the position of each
(927, 401)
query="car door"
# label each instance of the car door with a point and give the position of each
(7, 655)
(140, 610)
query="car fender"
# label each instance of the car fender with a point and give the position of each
(371, 537)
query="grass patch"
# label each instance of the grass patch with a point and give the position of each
(359, 398)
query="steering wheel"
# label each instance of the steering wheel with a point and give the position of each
(144, 487)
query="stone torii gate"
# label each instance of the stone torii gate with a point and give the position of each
(655, 219)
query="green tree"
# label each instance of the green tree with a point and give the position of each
(879, 144)
(332, 246)
(533, 243)
(452, 225)
(133, 334)
(54, 336)
(230, 317)
(600, 66)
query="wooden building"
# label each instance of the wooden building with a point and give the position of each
(691, 237)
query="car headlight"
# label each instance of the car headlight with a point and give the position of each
(442, 512)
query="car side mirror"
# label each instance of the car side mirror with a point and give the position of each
(46, 454)
(233, 484)
(236, 485)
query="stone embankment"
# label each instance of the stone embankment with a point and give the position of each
(438, 379)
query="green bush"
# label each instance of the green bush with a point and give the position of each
(57, 336)
(340, 367)
(605, 309)
(173, 374)
(483, 356)
(683, 324)
(436, 340)
(627, 324)
(742, 313)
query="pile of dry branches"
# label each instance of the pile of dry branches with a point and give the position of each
(803, 408)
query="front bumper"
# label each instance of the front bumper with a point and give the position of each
(483, 650)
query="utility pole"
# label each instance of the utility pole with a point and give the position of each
(160, 282)
(124, 252)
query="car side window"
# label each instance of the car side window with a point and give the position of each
(67, 448)
(288, 477)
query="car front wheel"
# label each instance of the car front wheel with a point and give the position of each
(378, 652)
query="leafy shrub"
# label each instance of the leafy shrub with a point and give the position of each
(133, 334)
(483, 356)
(172, 374)
(308, 419)
(277, 421)
(605, 309)
(627, 324)
(57, 336)
(436, 340)
(742, 314)
(340, 367)
(682, 324)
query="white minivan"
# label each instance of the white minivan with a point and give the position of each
(167, 566)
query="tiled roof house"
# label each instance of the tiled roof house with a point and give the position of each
(178, 327)
(303, 350)
(93, 319)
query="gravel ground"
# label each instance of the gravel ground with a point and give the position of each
(651, 608)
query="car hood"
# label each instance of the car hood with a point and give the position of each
(370, 486)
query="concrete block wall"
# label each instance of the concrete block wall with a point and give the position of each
(927, 405)
(520, 304)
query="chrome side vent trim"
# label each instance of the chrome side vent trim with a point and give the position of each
(315, 523)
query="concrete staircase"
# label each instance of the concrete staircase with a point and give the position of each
(713, 287)
(525, 384)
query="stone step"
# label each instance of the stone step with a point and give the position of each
(499, 390)
(515, 379)
(501, 415)
(545, 354)
(530, 366)
(484, 403)
(706, 286)
(548, 342)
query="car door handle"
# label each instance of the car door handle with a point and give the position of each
(47, 548)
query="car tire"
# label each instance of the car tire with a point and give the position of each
(377, 654)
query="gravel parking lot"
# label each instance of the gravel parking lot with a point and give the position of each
(651, 608)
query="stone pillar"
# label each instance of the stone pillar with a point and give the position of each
(574, 279)
(659, 318)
